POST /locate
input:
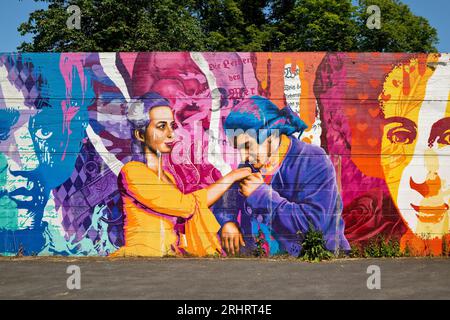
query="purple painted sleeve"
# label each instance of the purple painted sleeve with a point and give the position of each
(314, 202)
(226, 209)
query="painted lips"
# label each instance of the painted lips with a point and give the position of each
(430, 214)
(170, 144)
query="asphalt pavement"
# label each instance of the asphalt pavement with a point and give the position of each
(183, 278)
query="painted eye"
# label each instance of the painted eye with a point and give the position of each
(43, 134)
(444, 139)
(400, 136)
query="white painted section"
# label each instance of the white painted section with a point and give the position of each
(110, 159)
(214, 150)
(292, 87)
(108, 62)
(13, 98)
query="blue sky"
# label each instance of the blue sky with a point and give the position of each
(437, 13)
(15, 12)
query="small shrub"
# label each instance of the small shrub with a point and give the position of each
(390, 249)
(426, 237)
(407, 252)
(445, 249)
(313, 246)
(214, 255)
(355, 251)
(372, 250)
(260, 251)
(380, 248)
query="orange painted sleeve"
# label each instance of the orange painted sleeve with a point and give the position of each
(143, 185)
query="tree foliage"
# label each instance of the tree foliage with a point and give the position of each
(401, 30)
(114, 25)
(318, 25)
(227, 25)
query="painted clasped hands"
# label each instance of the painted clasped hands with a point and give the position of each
(249, 184)
(231, 236)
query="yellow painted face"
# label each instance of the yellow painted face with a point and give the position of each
(415, 143)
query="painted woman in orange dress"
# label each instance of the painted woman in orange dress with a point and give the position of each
(152, 203)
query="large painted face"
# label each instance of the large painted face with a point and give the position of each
(159, 135)
(38, 147)
(416, 143)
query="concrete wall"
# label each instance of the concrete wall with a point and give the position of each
(373, 160)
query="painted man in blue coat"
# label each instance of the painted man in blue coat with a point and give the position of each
(293, 187)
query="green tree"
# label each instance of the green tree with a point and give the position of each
(233, 25)
(227, 25)
(114, 25)
(317, 25)
(400, 30)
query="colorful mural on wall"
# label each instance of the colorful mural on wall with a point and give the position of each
(199, 154)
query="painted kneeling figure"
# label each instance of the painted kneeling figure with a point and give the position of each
(295, 188)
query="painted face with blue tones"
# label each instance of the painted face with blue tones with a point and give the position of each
(43, 117)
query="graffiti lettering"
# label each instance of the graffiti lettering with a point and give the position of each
(234, 77)
(233, 63)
